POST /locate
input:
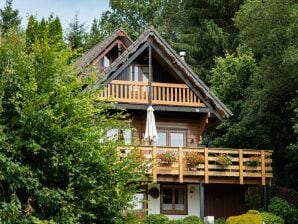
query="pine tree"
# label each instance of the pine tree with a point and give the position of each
(76, 33)
(55, 32)
(95, 35)
(31, 31)
(9, 17)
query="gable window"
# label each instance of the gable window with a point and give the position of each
(173, 199)
(174, 138)
(139, 73)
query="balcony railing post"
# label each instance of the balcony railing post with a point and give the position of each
(241, 166)
(206, 165)
(263, 167)
(180, 154)
(154, 173)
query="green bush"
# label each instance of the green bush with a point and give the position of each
(245, 219)
(192, 220)
(156, 219)
(270, 218)
(284, 210)
(253, 212)
(219, 221)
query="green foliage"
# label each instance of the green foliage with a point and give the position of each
(230, 80)
(44, 32)
(245, 219)
(9, 18)
(268, 109)
(134, 16)
(219, 221)
(76, 33)
(253, 198)
(270, 218)
(156, 219)
(284, 210)
(56, 163)
(95, 35)
(192, 220)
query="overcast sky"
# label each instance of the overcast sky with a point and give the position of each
(65, 9)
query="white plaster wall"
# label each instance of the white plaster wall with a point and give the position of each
(153, 204)
(193, 202)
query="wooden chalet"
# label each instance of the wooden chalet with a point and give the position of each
(149, 72)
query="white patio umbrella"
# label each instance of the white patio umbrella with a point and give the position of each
(150, 132)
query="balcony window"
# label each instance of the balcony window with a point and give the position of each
(173, 138)
(173, 199)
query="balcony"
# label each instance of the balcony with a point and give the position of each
(162, 93)
(209, 171)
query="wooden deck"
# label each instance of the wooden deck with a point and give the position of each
(209, 171)
(162, 93)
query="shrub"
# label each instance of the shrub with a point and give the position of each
(192, 220)
(156, 219)
(253, 212)
(219, 221)
(270, 218)
(283, 209)
(245, 219)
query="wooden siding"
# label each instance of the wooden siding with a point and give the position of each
(194, 127)
(223, 201)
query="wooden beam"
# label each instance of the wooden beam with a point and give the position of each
(154, 173)
(206, 165)
(180, 154)
(241, 166)
(127, 63)
(263, 167)
(150, 75)
(161, 54)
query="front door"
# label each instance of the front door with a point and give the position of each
(171, 137)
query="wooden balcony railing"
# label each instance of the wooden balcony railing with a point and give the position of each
(162, 93)
(209, 171)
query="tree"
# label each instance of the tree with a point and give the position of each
(230, 80)
(76, 34)
(55, 32)
(132, 15)
(9, 17)
(270, 28)
(31, 31)
(95, 35)
(205, 31)
(56, 163)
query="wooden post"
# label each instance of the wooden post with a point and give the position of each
(202, 200)
(180, 165)
(154, 164)
(206, 166)
(150, 75)
(263, 167)
(265, 198)
(241, 166)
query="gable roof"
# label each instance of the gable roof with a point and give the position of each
(93, 53)
(216, 106)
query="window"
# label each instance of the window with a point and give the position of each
(139, 73)
(138, 201)
(116, 134)
(174, 138)
(173, 199)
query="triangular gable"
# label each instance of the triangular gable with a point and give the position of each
(98, 49)
(181, 68)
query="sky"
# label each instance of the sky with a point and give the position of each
(65, 9)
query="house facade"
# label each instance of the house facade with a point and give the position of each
(186, 177)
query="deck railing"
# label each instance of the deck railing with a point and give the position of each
(240, 168)
(162, 93)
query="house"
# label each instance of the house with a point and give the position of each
(149, 72)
